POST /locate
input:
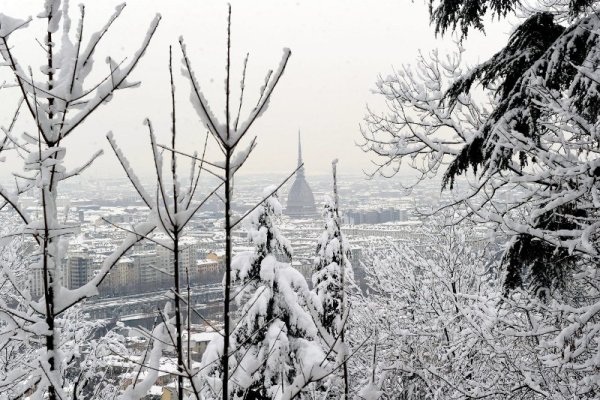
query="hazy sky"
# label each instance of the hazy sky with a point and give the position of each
(338, 50)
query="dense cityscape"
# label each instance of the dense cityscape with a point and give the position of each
(106, 210)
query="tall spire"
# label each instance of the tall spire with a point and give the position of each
(299, 149)
(301, 169)
(300, 202)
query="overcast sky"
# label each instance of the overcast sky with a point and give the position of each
(338, 49)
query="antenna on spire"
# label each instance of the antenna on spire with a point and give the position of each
(299, 149)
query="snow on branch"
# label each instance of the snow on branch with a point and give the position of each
(129, 171)
(117, 81)
(265, 96)
(201, 105)
(8, 25)
(69, 297)
(198, 99)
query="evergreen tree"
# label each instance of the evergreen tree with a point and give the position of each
(331, 275)
(466, 14)
(332, 255)
(535, 136)
(543, 81)
(275, 336)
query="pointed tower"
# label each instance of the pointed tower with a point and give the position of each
(300, 202)
(301, 170)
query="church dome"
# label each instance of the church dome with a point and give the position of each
(300, 201)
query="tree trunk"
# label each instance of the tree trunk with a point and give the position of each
(228, 228)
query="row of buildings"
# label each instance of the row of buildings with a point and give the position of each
(146, 267)
(378, 216)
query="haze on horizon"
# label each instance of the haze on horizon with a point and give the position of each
(336, 59)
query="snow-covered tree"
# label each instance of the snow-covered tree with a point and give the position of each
(175, 204)
(18, 349)
(57, 104)
(229, 133)
(330, 261)
(332, 273)
(442, 327)
(520, 130)
(173, 208)
(419, 320)
(85, 352)
(275, 339)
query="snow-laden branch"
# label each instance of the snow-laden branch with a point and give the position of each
(129, 171)
(66, 298)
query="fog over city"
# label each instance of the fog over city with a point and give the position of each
(338, 50)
